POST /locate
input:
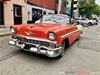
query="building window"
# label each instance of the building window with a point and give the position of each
(67, 2)
(1, 14)
(57, 1)
(44, 12)
(75, 2)
(50, 13)
(18, 12)
(75, 8)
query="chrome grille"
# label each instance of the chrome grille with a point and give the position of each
(42, 43)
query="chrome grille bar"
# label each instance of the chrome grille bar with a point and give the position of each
(42, 43)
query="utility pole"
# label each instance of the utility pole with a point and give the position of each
(66, 4)
(0, 13)
(59, 6)
(71, 14)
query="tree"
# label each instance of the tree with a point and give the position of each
(97, 10)
(88, 7)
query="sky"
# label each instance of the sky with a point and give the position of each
(98, 2)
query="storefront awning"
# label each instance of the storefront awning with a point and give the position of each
(4, 0)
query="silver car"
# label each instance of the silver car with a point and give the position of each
(84, 21)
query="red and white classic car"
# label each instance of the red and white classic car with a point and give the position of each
(50, 36)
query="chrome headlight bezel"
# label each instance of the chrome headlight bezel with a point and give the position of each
(51, 36)
(13, 30)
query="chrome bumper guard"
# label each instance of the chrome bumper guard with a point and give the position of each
(36, 48)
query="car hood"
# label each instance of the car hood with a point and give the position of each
(39, 30)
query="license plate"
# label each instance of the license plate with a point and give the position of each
(27, 46)
(33, 49)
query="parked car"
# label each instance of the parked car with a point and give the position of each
(84, 21)
(50, 36)
(95, 21)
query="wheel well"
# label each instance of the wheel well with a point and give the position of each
(90, 22)
(77, 22)
(66, 42)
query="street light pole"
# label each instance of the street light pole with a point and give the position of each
(71, 14)
(0, 13)
(59, 6)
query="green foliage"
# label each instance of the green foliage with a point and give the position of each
(88, 7)
(97, 10)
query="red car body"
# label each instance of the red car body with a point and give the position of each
(45, 38)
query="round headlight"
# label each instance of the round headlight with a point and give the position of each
(13, 30)
(52, 36)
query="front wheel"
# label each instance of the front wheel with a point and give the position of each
(89, 23)
(77, 23)
(63, 49)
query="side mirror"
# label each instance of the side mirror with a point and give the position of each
(72, 21)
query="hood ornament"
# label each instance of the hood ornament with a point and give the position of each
(29, 33)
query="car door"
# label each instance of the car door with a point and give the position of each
(83, 21)
(74, 33)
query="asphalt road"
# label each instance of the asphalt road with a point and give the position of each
(81, 58)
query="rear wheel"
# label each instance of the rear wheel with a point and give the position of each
(89, 23)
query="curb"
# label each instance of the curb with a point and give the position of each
(5, 34)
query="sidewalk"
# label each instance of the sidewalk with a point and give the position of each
(5, 31)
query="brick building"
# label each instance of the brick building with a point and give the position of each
(13, 12)
(38, 8)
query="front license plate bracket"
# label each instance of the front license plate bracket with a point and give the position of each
(27, 47)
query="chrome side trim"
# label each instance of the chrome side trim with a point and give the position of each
(68, 33)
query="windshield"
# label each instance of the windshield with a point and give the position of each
(55, 19)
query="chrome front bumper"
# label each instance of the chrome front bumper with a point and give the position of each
(36, 48)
